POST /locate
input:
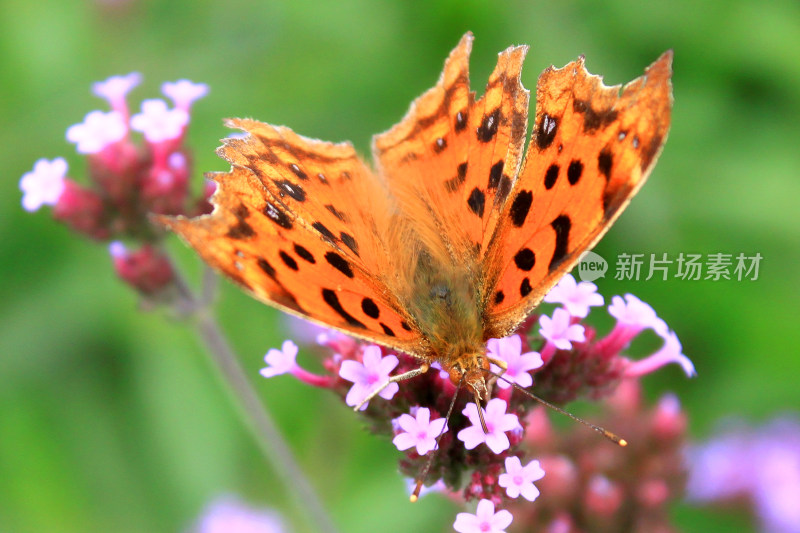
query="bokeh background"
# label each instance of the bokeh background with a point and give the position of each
(113, 419)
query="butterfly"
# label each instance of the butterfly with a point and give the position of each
(458, 233)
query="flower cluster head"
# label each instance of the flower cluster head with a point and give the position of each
(582, 477)
(758, 465)
(128, 180)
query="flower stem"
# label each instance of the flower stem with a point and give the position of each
(266, 433)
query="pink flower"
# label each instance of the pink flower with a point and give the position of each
(97, 131)
(635, 314)
(159, 124)
(280, 361)
(576, 298)
(485, 520)
(519, 479)
(497, 422)
(509, 350)
(227, 515)
(115, 89)
(559, 331)
(418, 431)
(183, 92)
(43, 185)
(368, 376)
(669, 353)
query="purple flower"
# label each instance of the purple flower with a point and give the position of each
(509, 350)
(635, 314)
(576, 298)
(669, 353)
(559, 331)
(183, 92)
(227, 515)
(280, 361)
(115, 89)
(519, 479)
(44, 184)
(442, 374)
(368, 376)
(485, 520)
(497, 422)
(418, 431)
(159, 124)
(761, 465)
(97, 131)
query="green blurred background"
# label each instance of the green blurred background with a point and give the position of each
(112, 419)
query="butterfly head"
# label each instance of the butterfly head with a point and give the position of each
(470, 370)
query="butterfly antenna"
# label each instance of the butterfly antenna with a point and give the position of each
(421, 479)
(480, 414)
(613, 437)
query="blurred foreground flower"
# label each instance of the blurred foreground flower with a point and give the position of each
(758, 466)
(229, 515)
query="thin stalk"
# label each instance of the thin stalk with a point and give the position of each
(263, 428)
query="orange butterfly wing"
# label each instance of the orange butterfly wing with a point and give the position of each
(592, 149)
(451, 160)
(301, 225)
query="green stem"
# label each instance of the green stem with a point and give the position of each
(266, 433)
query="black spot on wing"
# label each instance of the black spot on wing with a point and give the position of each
(339, 263)
(350, 242)
(264, 265)
(525, 259)
(335, 212)
(574, 171)
(561, 225)
(439, 145)
(525, 287)
(650, 151)
(488, 128)
(320, 227)
(369, 308)
(288, 260)
(593, 120)
(292, 189)
(546, 131)
(551, 176)
(495, 173)
(298, 172)
(405, 325)
(242, 230)
(387, 329)
(604, 163)
(277, 216)
(477, 201)
(453, 184)
(332, 300)
(499, 297)
(461, 121)
(304, 254)
(520, 207)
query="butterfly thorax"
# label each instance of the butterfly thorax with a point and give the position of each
(447, 308)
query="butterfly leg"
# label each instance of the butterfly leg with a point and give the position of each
(394, 379)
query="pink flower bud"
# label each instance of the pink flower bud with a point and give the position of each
(146, 269)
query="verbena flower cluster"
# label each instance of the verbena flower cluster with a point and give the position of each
(586, 482)
(128, 180)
